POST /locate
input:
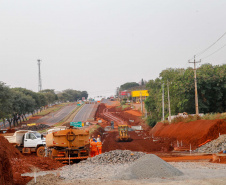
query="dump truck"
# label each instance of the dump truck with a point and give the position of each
(28, 141)
(67, 144)
(123, 134)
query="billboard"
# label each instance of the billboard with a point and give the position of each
(123, 93)
(140, 93)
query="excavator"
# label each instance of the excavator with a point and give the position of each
(123, 134)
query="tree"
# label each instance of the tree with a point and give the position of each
(5, 102)
(128, 85)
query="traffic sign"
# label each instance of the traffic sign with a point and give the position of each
(76, 124)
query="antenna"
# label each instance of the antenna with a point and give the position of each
(39, 76)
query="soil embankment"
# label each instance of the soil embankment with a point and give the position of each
(194, 133)
(13, 164)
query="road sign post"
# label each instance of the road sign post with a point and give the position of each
(76, 124)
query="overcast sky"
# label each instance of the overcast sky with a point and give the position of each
(98, 45)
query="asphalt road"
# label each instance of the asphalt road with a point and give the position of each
(87, 112)
(56, 117)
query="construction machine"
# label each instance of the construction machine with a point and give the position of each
(67, 144)
(123, 134)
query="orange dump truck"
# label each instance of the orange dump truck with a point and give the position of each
(64, 144)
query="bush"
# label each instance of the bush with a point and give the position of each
(151, 122)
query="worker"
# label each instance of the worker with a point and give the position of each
(99, 147)
(93, 148)
(98, 138)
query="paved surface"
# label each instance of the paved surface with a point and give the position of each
(87, 112)
(56, 117)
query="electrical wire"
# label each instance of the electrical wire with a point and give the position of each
(210, 45)
(201, 52)
(213, 52)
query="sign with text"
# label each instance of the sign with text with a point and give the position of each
(76, 124)
(140, 93)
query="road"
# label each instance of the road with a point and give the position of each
(56, 117)
(86, 113)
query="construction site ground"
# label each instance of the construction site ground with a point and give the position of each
(169, 142)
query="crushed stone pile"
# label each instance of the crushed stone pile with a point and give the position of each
(36, 127)
(214, 146)
(115, 157)
(148, 166)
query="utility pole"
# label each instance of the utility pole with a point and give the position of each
(39, 76)
(196, 92)
(163, 117)
(141, 103)
(169, 102)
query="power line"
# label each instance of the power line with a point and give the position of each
(201, 52)
(214, 52)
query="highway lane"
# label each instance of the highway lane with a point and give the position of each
(87, 112)
(53, 118)
(56, 117)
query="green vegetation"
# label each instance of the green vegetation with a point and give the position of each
(15, 103)
(211, 92)
(52, 109)
(128, 85)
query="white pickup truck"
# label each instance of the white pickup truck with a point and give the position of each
(28, 141)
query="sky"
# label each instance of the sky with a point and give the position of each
(99, 45)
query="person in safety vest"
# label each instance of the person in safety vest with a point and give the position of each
(93, 147)
(99, 146)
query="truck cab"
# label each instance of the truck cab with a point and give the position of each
(33, 139)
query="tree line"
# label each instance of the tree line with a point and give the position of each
(211, 85)
(15, 103)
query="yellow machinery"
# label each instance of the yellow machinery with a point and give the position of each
(123, 133)
(68, 144)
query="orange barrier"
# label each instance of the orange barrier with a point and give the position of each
(205, 142)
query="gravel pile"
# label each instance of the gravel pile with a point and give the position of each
(36, 127)
(115, 157)
(214, 146)
(148, 166)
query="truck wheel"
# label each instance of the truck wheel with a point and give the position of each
(41, 151)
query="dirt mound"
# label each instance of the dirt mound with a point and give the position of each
(134, 112)
(6, 174)
(214, 146)
(148, 166)
(195, 132)
(36, 127)
(17, 163)
(9, 149)
(142, 141)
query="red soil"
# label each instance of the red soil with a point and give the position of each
(194, 133)
(134, 112)
(13, 164)
(141, 142)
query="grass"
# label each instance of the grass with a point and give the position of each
(209, 116)
(51, 109)
(93, 129)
